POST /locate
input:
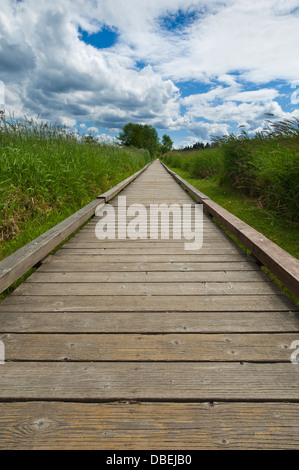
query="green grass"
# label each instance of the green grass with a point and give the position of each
(47, 175)
(198, 163)
(248, 209)
(264, 167)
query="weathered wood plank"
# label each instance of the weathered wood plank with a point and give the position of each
(152, 380)
(147, 288)
(149, 426)
(90, 235)
(127, 243)
(149, 347)
(149, 303)
(148, 276)
(184, 257)
(150, 251)
(61, 265)
(88, 242)
(153, 322)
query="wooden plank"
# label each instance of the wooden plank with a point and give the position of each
(149, 347)
(148, 303)
(148, 276)
(184, 257)
(153, 322)
(150, 251)
(63, 265)
(140, 245)
(214, 233)
(147, 288)
(89, 235)
(149, 380)
(90, 238)
(149, 426)
(17, 264)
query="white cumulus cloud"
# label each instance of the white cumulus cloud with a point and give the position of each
(235, 48)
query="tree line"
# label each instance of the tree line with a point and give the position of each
(198, 146)
(146, 137)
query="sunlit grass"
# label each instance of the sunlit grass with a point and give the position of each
(264, 167)
(47, 175)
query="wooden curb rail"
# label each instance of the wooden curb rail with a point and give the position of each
(283, 265)
(18, 263)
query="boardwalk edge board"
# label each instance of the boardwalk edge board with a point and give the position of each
(17, 264)
(283, 265)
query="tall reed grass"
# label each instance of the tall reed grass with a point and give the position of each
(198, 163)
(265, 166)
(47, 174)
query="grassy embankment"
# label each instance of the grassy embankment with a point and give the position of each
(256, 178)
(47, 175)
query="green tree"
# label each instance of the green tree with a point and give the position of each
(167, 144)
(140, 136)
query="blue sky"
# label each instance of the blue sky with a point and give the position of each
(192, 69)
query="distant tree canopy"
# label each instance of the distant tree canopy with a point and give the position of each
(144, 136)
(198, 146)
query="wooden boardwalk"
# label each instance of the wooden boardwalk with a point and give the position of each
(140, 344)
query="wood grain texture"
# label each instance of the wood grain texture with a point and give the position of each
(96, 381)
(147, 288)
(149, 322)
(148, 276)
(149, 426)
(149, 347)
(70, 250)
(161, 258)
(60, 265)
(149, 303)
